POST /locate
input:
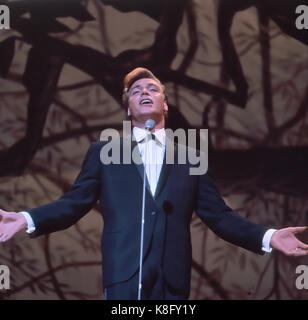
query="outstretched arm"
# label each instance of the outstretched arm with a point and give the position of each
(239, 231)
(223, 221)
(65, 211)
(74, 204)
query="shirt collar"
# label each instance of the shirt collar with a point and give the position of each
(140, 134)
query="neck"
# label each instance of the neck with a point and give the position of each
(158, 126)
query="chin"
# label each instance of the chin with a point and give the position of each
(147, 115)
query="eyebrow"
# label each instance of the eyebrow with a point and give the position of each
(139, 86)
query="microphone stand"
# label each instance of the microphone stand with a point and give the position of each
(148, 127)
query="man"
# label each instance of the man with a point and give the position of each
(172, 196)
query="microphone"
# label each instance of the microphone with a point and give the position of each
(149, 125)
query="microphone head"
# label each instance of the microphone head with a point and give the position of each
(149, 124)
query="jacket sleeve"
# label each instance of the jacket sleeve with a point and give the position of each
(223, 221)
(74, 204)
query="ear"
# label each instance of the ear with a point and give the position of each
(128, 112)
(165, 106)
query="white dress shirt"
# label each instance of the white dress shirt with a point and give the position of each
(155, 155)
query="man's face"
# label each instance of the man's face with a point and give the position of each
(146, 101)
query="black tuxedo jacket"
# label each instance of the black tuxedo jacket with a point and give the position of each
(118, 187)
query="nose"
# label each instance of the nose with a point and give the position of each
(145, 90)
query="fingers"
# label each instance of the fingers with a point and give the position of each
(298, 229)
(302, 248)
(4, 237)
(294, 252)
(302, 245)
(298, 252)
(3, 213)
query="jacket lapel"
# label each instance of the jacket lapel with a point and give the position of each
(139, 166)
(165, 170)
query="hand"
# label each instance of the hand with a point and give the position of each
(285, 241)
(10, 224)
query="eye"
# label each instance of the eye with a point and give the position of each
(134, 92)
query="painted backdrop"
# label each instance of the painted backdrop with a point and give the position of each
(238, 68)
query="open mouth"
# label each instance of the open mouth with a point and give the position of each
(146, 101)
